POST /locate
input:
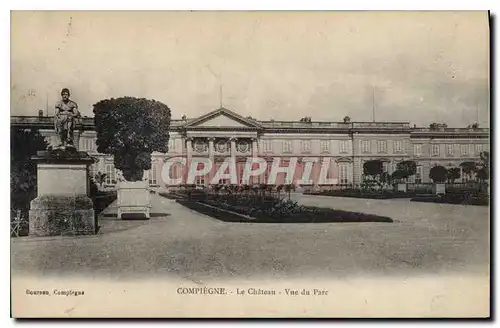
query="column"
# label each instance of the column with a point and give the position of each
(233, 152)
(189, 151)
(255, 150)
(211, 152)
(233, 147)
(255, 153)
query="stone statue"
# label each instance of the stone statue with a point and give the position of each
(65, 119)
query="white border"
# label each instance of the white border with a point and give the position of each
(194, 5)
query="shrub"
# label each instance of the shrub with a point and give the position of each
(23, 144)
(438, 174)
(468, 168)
(131, 129)
(373, 167)
(453, 173)
(406, 169)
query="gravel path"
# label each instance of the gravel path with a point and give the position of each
(427, 238)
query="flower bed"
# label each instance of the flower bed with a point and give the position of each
(358, 193)
(274, 210)
(455, 198)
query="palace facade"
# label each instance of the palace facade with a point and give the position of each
(345, 145)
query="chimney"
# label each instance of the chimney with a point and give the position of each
(40, 113)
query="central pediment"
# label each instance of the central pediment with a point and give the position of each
(222, 118)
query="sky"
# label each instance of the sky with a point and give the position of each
(417, 67)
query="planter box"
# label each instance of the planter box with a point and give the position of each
(401, 187)
(439, 189)
(133, 200)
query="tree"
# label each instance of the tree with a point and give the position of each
(483, 167)
(407, 168)
(386, 178)
(484, 160)
(347, 119)
(131, 129)
(278, 189)
(482, 174)
(398, 176)
(100, 178)
(453, 174)
(438, 174)
(468, 168)
(23, 144)
(373, 168)
(289, 188)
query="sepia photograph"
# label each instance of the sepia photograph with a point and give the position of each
(250, 164)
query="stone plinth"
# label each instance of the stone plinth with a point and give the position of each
(133, 200)
(439, 188)
(62, 206)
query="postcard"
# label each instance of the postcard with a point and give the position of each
(250, 164)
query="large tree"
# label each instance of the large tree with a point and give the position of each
(438, 174)
(131, 129)
(483, 167)
(373, 168)
(453, 174)
(23, 144)
(405, 169)
(468, 168)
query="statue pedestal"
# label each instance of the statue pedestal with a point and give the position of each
(62, 206)
(133, 200)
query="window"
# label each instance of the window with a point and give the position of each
(110, 174)
(479, 149)
(225, 181)
(418, 174)
(366, 146)
(398, 146)
(343, 146)
(434, 150)
(394, 166)
(287, 146)
(89, 144)
(385, 167)
(153, 175)
(450, 150)
(464, 150)
(344, 173)
(267, 145)
(171, 145)
(325, 146)
(306, 146)
(417, 149)
(382, 146)
(200, 181)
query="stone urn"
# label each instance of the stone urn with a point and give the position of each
(133, 200)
